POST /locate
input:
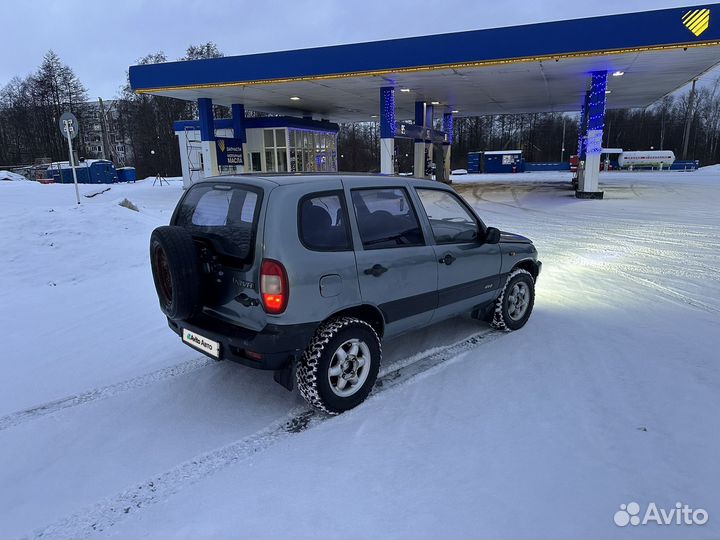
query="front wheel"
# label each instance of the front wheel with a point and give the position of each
(339, 368)
(514, 305)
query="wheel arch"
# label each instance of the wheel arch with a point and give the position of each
(365, 312)
(528, 265)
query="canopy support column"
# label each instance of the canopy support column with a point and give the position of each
(582, 137)
(588, 182)
(443, 169)
(238, 123)
(207, 137)
(429, 146)
(419, 146)
(387, 130)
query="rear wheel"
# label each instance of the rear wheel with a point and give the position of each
(514, 305)
(339, 368)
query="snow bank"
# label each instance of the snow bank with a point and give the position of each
(11, 176)
(711, 168)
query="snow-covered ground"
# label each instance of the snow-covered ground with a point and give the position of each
(109, 427)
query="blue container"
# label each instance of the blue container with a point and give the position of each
(126, 174)
(102, 171)
(688, 165)
(65, 175)
(473, 162)
(510, 161)
(99, 171)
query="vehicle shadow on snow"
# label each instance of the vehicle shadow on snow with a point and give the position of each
(231, 386)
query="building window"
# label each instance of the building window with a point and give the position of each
(275, 150)
(255, 162)
(312, 151)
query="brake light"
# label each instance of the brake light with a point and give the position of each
(274, 286)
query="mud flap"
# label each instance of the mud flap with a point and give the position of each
(286, 375)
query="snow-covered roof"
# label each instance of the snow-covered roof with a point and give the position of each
(7, 175)
(502, 152)
(85, 163)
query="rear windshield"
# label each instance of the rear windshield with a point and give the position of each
(224, 214)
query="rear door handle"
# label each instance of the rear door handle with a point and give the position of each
(377, 270)
(448, 259)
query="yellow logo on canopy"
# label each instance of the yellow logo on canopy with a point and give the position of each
(221, 145)
(697, 20)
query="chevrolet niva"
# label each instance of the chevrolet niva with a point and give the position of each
(306, 274)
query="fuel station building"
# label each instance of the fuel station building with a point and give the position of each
(271, 144)
(415, 87)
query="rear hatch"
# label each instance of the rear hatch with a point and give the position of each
(224, 219)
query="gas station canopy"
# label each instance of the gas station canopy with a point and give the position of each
(531, 68)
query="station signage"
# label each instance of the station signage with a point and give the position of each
(229, 151)
(413, 131)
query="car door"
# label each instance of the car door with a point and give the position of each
(396, 265)
(468, 268)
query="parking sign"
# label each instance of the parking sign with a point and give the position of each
(69, 125)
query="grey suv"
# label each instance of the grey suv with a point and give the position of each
(305, 274)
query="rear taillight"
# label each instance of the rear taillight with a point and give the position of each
(274, 286)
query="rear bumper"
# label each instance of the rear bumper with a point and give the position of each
(276, 344)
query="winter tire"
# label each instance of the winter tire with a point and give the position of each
(515, 303)
(176, 271)
(339, 367)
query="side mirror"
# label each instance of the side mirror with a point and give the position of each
(492, 235)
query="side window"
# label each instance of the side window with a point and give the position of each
(386, 218)
(322, 224)
(450, 221)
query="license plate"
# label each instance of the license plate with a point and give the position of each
(202, 343)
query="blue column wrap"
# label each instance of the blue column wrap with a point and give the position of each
(448, 126)
(207, 122)
(419, 113)
(596, 112)
(387, 112)
(238, 121)
(582, 127)
(429, 116)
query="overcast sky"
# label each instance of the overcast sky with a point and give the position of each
(100, 39)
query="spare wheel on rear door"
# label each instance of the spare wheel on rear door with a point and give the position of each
(176, 271)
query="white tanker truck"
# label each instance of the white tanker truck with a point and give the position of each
(661, 159)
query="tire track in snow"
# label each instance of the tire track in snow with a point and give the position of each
(479, 193)
(667, 292)
(27, 415)
(107, 512)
